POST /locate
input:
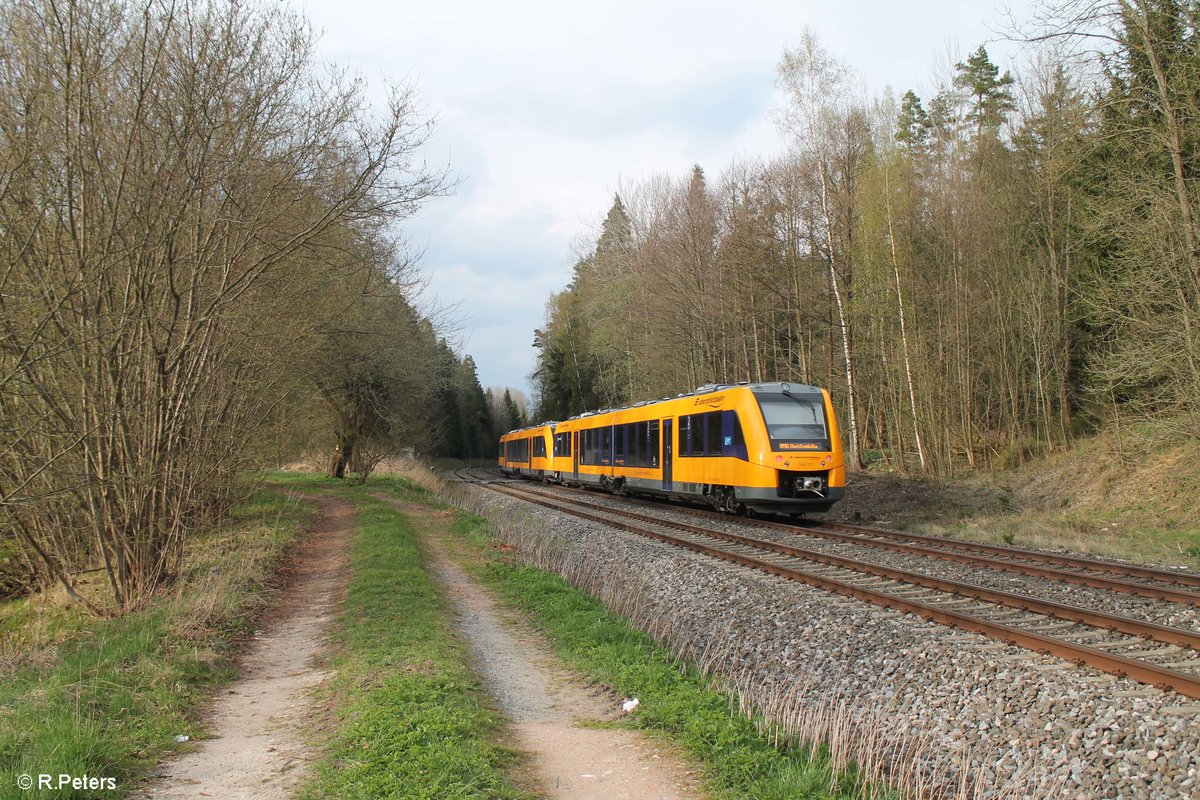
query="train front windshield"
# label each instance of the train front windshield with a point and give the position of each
(795, 421)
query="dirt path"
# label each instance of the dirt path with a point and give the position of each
(546, 703)
(257, 750)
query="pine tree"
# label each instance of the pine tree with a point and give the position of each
(913, 125)
(990, 94)
(513, 418)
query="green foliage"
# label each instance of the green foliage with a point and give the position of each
(411, 719)
(1136, 176)
(912, 125)
(990, 95)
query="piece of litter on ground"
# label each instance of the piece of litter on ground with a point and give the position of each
(630, 705)
(181, 738)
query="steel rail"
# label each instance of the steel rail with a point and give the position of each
(1178, 577)
(1121, 666)
(936, 547)
(1151, 591)
(1063, 611)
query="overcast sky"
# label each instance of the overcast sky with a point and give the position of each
(544, 110)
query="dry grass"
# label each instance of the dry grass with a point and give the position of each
(1134, 497)
(223, 568)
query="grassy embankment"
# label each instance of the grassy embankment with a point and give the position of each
(678, 704)
(1132, 493)
(80, 695)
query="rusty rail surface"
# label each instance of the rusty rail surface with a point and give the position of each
(960, 552)
(1179, 577)
(1122, 666)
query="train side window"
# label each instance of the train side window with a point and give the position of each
(713, 439)
(539, 447)
(685, 437)
(619, 444)
(734, 440)
(652, 442)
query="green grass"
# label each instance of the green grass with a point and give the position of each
(677, 702)
(113, 696)
(409, 716)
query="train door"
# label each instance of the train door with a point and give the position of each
(668, 446)
(575, 453)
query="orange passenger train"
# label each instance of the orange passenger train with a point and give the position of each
(763, 447)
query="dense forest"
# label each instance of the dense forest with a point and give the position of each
(976, 276)
(200, 277)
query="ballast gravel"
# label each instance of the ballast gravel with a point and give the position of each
(941, 713)
(1172, 614)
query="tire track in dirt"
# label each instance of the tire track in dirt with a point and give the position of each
(258, 750)
(546, 704)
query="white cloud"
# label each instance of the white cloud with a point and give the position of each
(545, 107)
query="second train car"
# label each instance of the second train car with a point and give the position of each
(526, 452)
(763, 447)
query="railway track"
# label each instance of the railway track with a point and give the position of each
(1157, 584)
(1160, 655)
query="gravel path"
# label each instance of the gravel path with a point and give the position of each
(257, 751)
(930, 706)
